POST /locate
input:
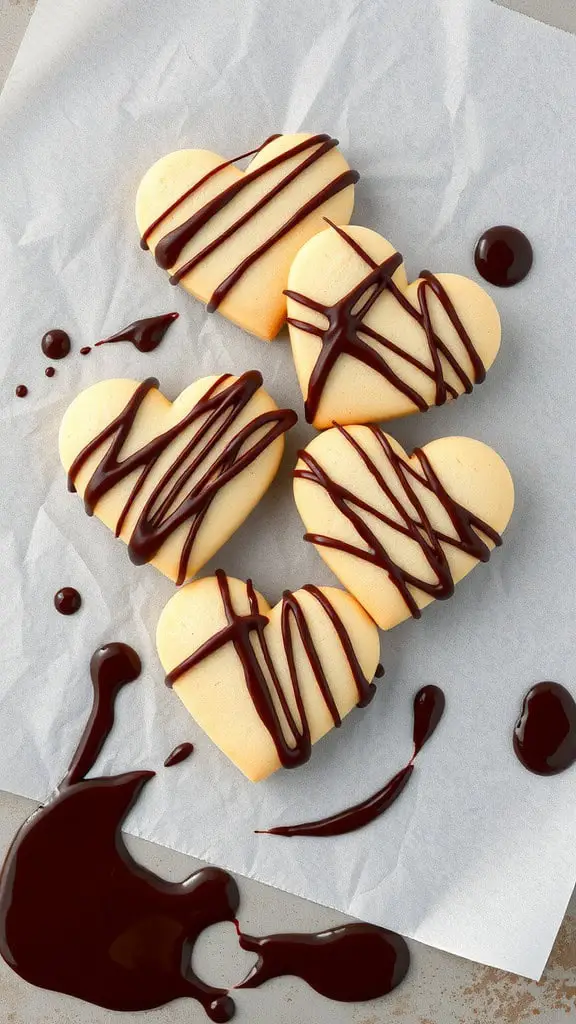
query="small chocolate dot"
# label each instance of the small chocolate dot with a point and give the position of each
(67, 601)
(85, 350)
(503, 255)
(50, 371)
(55, 344)
(21, 391)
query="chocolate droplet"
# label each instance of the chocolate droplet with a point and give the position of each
(55, 344)
(503, 256)
(545, 733)
(67, 601)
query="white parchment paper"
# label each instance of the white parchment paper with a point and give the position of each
(458, 115)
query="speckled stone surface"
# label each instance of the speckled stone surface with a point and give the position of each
(440, 989)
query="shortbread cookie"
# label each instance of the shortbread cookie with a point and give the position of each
(399, 532)
(174, 480)
(367, 345)
(229, 236)
(266, 683)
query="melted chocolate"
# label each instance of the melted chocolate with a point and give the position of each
(174, 500)
(56, 344)
(77, 914)
(85, 350)
(49, 371)
(351, 963)
(170, 247)
(21, 391)
(297, 749)
(429, 704)
(379, 671)
(503, 256)
(545, 733)
(179, 754)
(145, 334)
(345, 325)
(413, 521)
(67, 601)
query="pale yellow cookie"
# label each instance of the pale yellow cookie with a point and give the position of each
(174, 479)
(224, 651)
(397, 531)
(367, 345)
(317, 183)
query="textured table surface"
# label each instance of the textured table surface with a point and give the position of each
(441, 989)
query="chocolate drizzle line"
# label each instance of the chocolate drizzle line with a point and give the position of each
(206, 177)
(170, 247)
(174, 500)
(77, 914)
(144, 334)
(350, 963)
(413, 522)
(297, 749)
(429, 704)
(345, 333)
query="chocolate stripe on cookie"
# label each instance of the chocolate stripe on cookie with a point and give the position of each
(346, 332)
(262, 680)
(169, 249)
(413, 521)
(174, 499)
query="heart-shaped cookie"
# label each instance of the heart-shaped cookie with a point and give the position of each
(399, 532)
(367, 345)
(229, 236)
(266, 683)
(174, 480)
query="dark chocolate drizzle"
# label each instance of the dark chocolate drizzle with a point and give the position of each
(55, 344)
(429, 704)
(85, 350)
(77, 914)
(346, 333)
(194, 188)
(67, 601)
(170, 247)
(352, 963)
(49, 371)
(295, 750)
(545, 733)
(21, 391)
(414, 524)
(180, 753)
(144, 334)
(503, 256)
(173, 500)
